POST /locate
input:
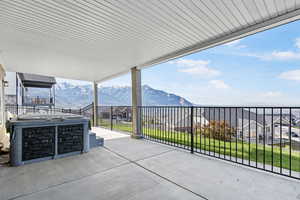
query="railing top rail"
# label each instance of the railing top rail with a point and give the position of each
(112, 106)
(90, 106)
(87, 107)
(251, 107)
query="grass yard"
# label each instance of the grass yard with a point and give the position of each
(239, 149)
(119, 126)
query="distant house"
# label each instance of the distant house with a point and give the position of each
(123, 113)
(264, 130)
(20, 84)
(248, 125)
(182, 121)
(104, 112)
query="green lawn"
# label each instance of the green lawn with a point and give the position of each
(123, 127)
(104, 123)
(238, 149)
(120, 126)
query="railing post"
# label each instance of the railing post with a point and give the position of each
(192, 129)
(93, 113)
(96, 104)
(111, 118)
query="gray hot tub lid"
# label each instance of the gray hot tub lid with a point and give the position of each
(48, 117)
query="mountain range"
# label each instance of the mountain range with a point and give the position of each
(69, 95)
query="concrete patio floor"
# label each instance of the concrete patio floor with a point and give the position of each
(127, 168)
(108, 134)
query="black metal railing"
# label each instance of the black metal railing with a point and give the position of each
(115, 118)
(87, 111)
(266, 138)
(21, 110)
(110, 117)
(30, 101)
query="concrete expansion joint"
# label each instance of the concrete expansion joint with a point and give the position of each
(68, 181)
(156, 174)
(155, 155)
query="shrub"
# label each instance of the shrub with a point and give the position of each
(219, 130)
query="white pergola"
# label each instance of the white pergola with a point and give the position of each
(96, 40)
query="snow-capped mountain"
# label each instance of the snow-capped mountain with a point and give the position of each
(69, 95)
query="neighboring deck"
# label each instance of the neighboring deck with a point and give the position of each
(127, 168)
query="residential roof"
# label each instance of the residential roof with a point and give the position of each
(230, 115)
(31, 80)
(237, 117)
(98, 40)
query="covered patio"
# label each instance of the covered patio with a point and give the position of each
(139, 169)
(99, 40)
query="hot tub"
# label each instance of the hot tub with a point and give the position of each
(42, 137)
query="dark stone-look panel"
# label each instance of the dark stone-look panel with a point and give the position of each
(38, 142)
(70, 138)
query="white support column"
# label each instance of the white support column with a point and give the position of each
(136, 93)
(2, 95)
(4, 138)
(95, 104)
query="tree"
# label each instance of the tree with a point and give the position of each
(219, 130)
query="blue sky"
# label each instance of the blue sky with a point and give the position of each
(262, 69)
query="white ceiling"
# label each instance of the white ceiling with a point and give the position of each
(98, 39)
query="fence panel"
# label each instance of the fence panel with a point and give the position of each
(266, 138)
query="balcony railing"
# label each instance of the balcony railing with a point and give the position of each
(115, 118)
(38, 101)
(266, 138)
(21, 110)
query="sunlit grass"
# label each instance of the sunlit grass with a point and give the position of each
(238, 149)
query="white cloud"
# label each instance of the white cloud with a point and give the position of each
(196, 67)
(291, 75)
(297, 44)
(219, 84)
(233, 43)
(275, 55)
(73, 82)
(200, 70)
(191, 63)
(285, 55)
(272, 94)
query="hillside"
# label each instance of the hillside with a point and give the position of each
(68, 95)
